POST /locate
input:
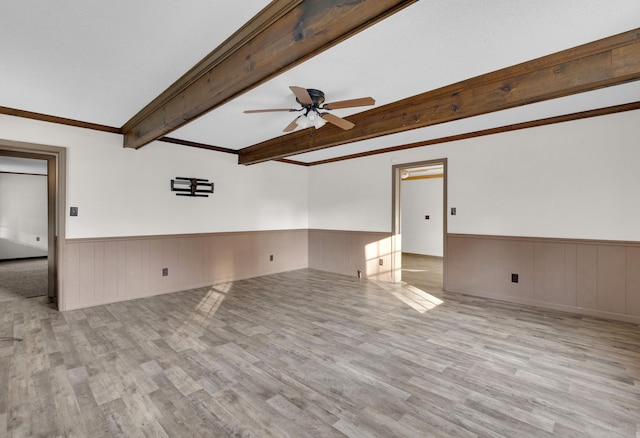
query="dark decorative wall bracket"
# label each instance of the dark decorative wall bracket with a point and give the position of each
(191, 187)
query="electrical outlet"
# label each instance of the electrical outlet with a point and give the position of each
(73, 211)
(380, 262)
(271, 258)
(514, 278)
(37, 239)
(453, 211)
(165, 272)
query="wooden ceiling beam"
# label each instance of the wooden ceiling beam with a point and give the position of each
(281, 36)
(610, 61)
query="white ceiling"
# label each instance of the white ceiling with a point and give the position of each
(101, 62)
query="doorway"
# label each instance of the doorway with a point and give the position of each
(23, 228)
(420, 249)
(55, 158)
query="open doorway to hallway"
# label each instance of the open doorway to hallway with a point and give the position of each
(24, 218)
(54, 240)
(420, 222)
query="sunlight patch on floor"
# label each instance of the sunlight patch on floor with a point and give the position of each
(210, 303)
(223, 287)
(417, 299)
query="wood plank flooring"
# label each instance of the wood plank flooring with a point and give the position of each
(308, 353)
(424, 272)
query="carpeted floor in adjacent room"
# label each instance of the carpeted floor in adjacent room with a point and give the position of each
(23, 278)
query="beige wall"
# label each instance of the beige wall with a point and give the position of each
(107, 270)
(588, 277)
(100, 271)
(347, 252)
(598, 278)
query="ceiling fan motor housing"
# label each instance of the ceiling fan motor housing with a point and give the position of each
(317, 97)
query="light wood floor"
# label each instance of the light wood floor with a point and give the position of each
(308, 353)
(424, 272)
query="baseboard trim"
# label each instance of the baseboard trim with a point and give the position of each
(24, 258)
(553, 306)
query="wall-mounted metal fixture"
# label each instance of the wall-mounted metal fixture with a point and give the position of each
(191, 187)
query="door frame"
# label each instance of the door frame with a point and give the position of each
(56, 189)
(396, 216)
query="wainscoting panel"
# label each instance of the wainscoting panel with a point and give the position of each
(101, 271)
(612, 278)
(555, 273)
(347, 252)
(633, 281)
(587, 277)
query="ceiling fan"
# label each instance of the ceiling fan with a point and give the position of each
(312, 105)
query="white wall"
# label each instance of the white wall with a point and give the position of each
(346, 196)
(125, 192)
(577, 179)
(23, 215)
(420, 198)
(574, 180)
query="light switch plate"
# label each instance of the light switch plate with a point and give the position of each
(73, 211)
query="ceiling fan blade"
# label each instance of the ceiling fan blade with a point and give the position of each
(302, 94)
(349, 103)
(273, 110)
(291, 126)
(338, 121)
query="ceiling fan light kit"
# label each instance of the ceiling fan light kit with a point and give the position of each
(310, 119)
(312, 102)
(303, 122)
